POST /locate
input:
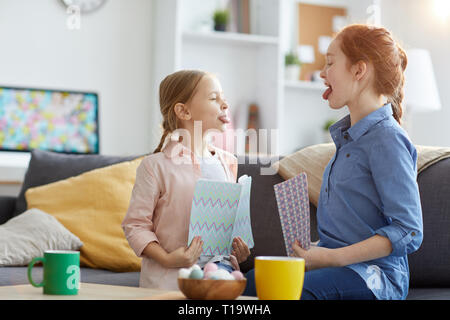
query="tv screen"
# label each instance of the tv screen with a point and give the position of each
(53, 120)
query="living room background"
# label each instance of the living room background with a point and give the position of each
(114, 53)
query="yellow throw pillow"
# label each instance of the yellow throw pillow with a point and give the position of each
(92, 206)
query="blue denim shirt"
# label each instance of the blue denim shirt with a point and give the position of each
(369, 187)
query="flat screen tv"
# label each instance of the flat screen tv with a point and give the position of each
(53, 120)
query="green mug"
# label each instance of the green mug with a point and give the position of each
(61, 272)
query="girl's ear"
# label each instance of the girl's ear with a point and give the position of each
(359, 70)
(182, 111)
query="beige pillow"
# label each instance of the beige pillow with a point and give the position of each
(312, 160)
(28, 235)
(427, 156)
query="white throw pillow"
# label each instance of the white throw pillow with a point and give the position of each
(28, 235)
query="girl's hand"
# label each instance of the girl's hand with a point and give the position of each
(240, 249)
(234, 263)
(316, 257)
(185, 257)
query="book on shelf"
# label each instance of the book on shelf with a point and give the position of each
(240, 116)
(246, 118)
(239, 16)
(253, 123)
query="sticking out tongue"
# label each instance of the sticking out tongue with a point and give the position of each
(224, 119)
(327, 93)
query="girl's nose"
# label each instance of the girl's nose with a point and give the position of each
(224, 105)
(322, 73)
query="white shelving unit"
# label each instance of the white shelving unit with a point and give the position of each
(249, 66)
(229, 38)
(13, 166)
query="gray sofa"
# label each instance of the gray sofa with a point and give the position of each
(429, 266)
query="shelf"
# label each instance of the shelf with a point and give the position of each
(304, 85)
(13, 166)
(231, 38)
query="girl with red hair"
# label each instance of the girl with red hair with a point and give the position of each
(369, 216)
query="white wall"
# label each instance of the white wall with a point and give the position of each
(415, 23)
(110, 54)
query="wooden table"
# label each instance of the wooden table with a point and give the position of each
(92, 291)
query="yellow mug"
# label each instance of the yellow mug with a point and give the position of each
(279, 278)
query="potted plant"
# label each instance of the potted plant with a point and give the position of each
(292, 66)
(221, 18)
(325, 130)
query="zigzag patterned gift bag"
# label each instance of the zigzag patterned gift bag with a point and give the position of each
(221, 211)
(293, 207)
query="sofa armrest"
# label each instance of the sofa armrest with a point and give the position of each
(7, 206)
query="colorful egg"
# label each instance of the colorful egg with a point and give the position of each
(222, 274)
(210, 267)
(195, 267)
(196, 274)
(184, 273)
(237, 275)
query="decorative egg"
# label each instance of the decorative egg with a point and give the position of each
(209, 267)
(207, 275)
(184, 273)
(196, 274)
(229, 277)
(195, 267)
(222, 274)
(237, 275)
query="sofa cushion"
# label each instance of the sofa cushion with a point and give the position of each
(28, 235)
(46, 167)
(265, 220)
(92, 206)
(7, 205)
(429, 294)
(429, 266)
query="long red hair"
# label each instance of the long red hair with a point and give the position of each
(376, 45)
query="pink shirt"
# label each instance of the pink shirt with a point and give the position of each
(160, 206)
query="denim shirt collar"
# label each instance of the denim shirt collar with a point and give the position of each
(342, 128)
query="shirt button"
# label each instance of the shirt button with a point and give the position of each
(326, 189)
(346, 136)
(348, 155)
(413, 233)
